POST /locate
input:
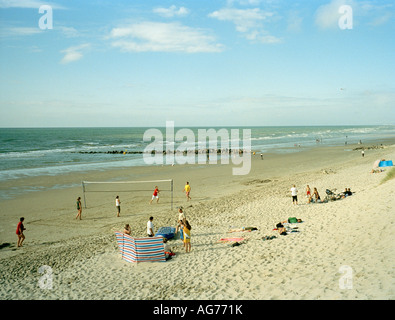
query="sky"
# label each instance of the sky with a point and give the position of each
(112, 63)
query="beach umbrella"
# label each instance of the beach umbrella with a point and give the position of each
(387, 163)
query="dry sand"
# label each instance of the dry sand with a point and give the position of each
(354, 234)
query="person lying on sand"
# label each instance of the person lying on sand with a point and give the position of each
(281, 229)
(293, 220)
(243, 229)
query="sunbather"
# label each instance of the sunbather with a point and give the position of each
(281, 229)
(243, 229)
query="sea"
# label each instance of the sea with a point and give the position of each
(33, 152)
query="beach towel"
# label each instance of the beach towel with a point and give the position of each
(140, 249)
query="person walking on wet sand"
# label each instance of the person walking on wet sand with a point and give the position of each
(19, 231)
(79, 208)
(294, 193)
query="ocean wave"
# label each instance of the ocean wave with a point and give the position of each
(55, 170)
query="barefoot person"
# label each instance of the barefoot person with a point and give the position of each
(79, 208)
(155, 195)
(127, 229)
(187, 190)
(294, 193)
(308, 191)
(186, 228)
(118, 205)
(19, 231)
(150, 227)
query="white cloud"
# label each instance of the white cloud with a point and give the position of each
(20, 31)
(68, 32)
(245, 2)
(72, 54)
(248, 22)
(163, 37)
(171, 11)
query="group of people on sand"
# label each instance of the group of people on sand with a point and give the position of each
(311, 197)
(183, 228)
(314, 197)
(294, 194)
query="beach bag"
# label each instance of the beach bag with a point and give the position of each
(292, 220)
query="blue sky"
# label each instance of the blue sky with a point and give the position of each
(197, 63)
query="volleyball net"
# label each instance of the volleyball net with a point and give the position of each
(134, 188)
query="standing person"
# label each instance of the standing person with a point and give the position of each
(118, 205)
(363, 153)
(294, 193)
(19, 231)
(186, 228)
(150, 227)
(308, 191)
(79, 208)
(187, 190)
(316, 195)
(181, 217)
(155, 195)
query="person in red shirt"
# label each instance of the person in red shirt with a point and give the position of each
(19, 231)
(155, 195)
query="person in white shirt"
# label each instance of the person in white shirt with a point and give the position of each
(118, 205)
(150, 227)
(294, 193)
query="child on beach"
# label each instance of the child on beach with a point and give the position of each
(181, 217)
(308, 191)
(79, 208)
(155, 195)
(19, 231)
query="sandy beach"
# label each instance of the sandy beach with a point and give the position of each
(352, 238)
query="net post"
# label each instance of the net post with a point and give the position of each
(171, 194)
(83, 192)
